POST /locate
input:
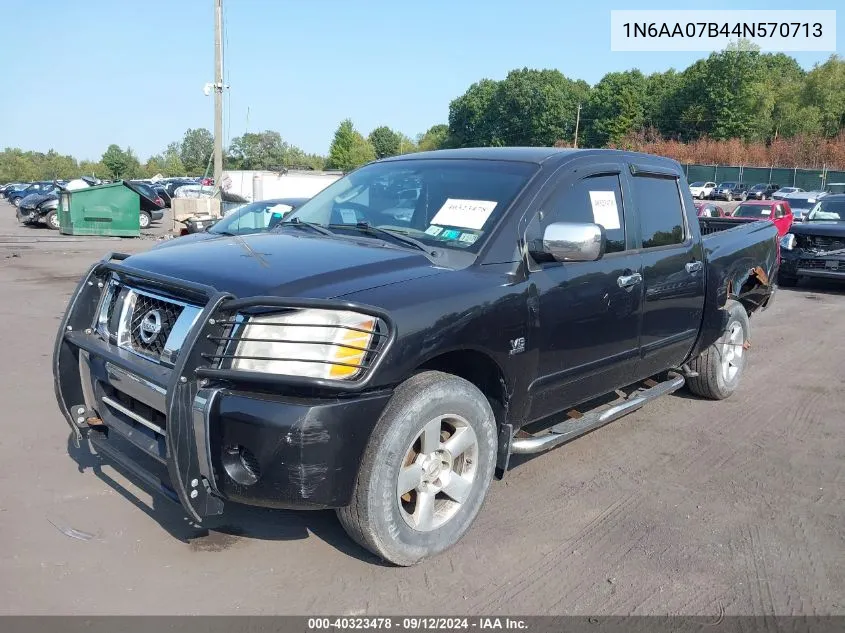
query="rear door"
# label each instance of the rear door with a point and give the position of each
(672, 267)
(586, 331)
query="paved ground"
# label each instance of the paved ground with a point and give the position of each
(686, 506)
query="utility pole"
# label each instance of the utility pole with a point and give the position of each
(218, 93)
(577, 122)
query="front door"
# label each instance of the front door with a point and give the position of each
(586, 325)
(673, 268)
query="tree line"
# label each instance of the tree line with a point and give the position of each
(738, 106)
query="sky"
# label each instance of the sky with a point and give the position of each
(78, 76)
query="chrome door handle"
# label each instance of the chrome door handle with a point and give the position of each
(693, 267)
(629, 281)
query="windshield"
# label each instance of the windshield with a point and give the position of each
(255, 217)
(727, 185)
(697, 184)
(752, 211)
(828, 210)
(441, 202)
(758, 187)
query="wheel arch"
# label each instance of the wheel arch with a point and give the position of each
(481, 370)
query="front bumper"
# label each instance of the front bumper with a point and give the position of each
(216, 436)
(802, 263)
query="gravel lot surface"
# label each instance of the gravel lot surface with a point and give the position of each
(684, 507)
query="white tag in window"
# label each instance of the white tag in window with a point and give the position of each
(349, 216)
(465, 214)
(605, 211)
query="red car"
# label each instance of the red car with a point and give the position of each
(710, 210)
(778, 211)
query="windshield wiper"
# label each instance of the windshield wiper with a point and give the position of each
(396, 236)
(317, 228)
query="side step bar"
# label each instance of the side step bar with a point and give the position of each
(572, 428)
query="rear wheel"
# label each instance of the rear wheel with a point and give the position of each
(52, 220)
(426, 471)
(145, 220)
(720, 366)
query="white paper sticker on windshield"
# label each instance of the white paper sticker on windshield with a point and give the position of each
(604, 209)
(348, 216)
(466, 214)
(765, 211)
(434, 230)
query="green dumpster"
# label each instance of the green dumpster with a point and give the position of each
(112, 210)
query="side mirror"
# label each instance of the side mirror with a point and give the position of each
(574, 241)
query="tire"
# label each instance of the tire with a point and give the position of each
(701, 195)
(786, 281)
(16, 202)
(729, 197)
(720, 366)
(52, 220)
(145, 219)
(396, 528)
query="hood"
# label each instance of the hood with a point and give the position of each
(285, 265)
(819, 227)
(187, 239)
(34, 199)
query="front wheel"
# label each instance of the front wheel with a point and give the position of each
(145, 220)
(720, 366)
(729, 197)
(426, 471)
(701, 195)
(16, 202)
(52, 220)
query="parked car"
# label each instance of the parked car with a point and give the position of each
(17, 195)
(33, 210)
(255, 217)
(729, 191)
(816, 246)
(710, 210)
(781, 193)
(6, 189)
(152, 206)
(762, 191)
(801, 202)
(835, 187)
(701, 189)
(387, 370)
(778, 212)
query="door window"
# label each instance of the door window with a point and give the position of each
(660, 211)
(595, 199)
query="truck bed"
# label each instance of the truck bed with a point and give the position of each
(742, 261)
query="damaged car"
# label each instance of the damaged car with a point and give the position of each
(387, 365)
(815, 247)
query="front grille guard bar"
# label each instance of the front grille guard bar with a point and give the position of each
(194, 386)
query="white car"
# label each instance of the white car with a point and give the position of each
(701, 189)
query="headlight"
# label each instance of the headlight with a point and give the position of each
(311, 343)
(787, 242)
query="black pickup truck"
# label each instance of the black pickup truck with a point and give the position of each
(387, 360)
